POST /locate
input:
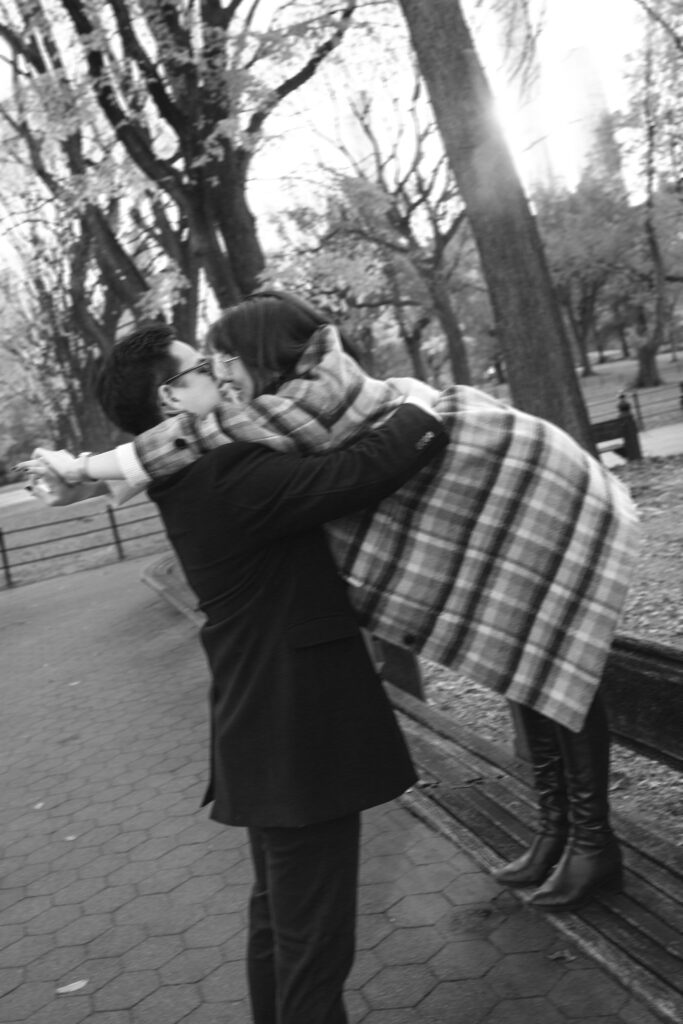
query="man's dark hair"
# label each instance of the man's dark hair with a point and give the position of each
(131, 374)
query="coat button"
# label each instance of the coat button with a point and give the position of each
(180, 442)
(409, 639)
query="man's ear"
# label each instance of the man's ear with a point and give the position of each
(169, 403)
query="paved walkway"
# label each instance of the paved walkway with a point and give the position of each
(662, 440)
(122, 903)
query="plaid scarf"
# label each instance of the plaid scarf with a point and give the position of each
(508, 560)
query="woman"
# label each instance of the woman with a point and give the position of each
(510, 559)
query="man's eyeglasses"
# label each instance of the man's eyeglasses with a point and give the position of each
(205, 367)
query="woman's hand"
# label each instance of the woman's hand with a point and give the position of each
(416, 391)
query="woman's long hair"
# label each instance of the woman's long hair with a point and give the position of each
(269, 331)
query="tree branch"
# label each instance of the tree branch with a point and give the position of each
(291, 84)
(134, 138)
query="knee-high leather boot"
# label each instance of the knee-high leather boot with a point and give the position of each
(591, 861)
(532, 866)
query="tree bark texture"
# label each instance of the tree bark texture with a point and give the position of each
(538, 358)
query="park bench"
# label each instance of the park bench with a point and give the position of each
(642, 687)
(479, 794)
(619, 434)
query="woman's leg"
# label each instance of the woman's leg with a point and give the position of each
(592, 858)
(532, 866)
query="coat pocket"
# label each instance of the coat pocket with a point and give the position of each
(322, 631)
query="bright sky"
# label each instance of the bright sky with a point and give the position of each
(595, 34)
(606, 30)
(583, 50)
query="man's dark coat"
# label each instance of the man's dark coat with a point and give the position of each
(302, 730)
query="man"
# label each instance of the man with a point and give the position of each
(302, 734)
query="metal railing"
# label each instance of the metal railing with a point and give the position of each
(112, 530)
(651, 407)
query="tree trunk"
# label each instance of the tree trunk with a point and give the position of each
(647, 375)
(443, 307)
(528, 321)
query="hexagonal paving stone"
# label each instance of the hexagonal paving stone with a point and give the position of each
(78, 891)
(472, 888)
(427, 848)
(160, 914)
(108, 899)
(51, 882)
(478, 920)
(53, 920)
(373, 899)
(524, 932)
(169, 1004)
(213, 930)
(425, 909)
(97, 972)
(23, 952)
(161, 881)
(356, 1006)
(55, 963)
(9, 934)
(590, 992)
(463, 1001)
(433, 877)
(227, 982)
(365, 966)
(10, 978)
(152, 953)
(26, 910)
(191, 965)
(471, 958)
(25, 999)
(126, 990)
(104, 867)
(410, 945)
(398, 986)
(116, 941)
(63, 1010)
(199, 890)
(382, 868)
(525, 1011)
(220, 1013)
(526, 974)
(235, 948)
(394, 1016)
(371, 929)
(83, 930)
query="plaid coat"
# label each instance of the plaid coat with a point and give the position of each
(509, 560)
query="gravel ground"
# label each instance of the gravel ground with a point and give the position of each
(654, 610)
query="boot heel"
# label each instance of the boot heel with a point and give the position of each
(577, 880)
(534, 865)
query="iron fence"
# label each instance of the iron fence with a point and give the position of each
(650, 407)
(107, 528)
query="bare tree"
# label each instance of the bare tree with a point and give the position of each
(398, 195)
(528, 319)
(186, 90)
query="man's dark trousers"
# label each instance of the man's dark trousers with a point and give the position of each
(302, 917)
